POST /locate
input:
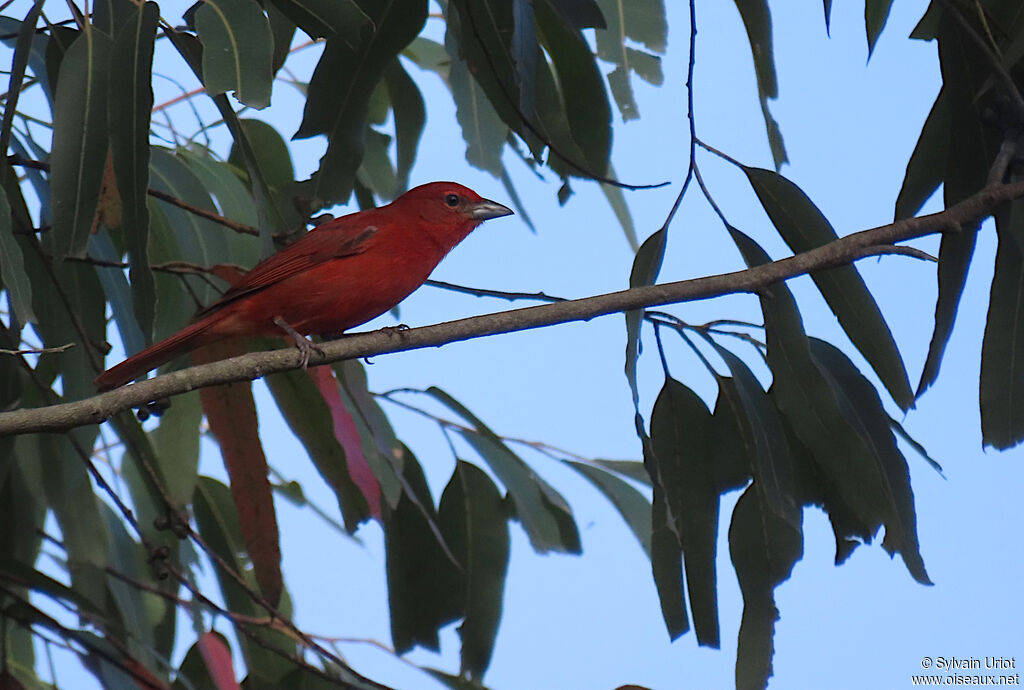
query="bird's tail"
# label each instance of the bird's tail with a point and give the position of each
(188, 338)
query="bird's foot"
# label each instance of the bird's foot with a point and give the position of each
(154, 408)
(305, 346)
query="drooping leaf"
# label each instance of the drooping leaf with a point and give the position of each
(862, 409)
(764, 549)
(876, 12)
(642, 22)
(681, 437)
(128, 113)
(634, 508)
(483, 129)
(525, 51)
(1002, 353)
(326, 18)
(339, 91)
(231, 413)
(410, 119)
(584, 99)
(309, 417)
(969, 152)
(79, 141)
(646, 266)
(617, 200)
(423, 582)
(347, 433)
(237, 50)
(667, 566)
(828, 16)
(804, 227)
(757, 20)
(927, 164)
(542, 511)
(474, 524)
(217, 657)
(12, 276)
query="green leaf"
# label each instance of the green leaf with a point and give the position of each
(327, 18)
(483, 130)
(828, 16)
(667, 566)
(23, 50)
(581, 86)
(128, 113)
(886, 469)
(410, 119)
(238, 50)
(926, 165)
(79, 141)
(339, 92)
(305, 411)
(633, 469)
(117, 291)
(12, 266)
(473, 520)
(541, 510)
(804, 227)
(757, 20)
(681, 437)
(751, 412)
(632, 22)
(423, 582)
(1002, 353)
(764, 550)
(646, 266)
(617, 200)
(525, 51)
(876, 12)
(634, 508)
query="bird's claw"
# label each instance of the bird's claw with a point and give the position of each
(305, 346)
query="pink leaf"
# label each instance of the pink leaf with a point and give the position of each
(348, 436)
(218, 661)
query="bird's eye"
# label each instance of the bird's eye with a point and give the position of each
(452, 200)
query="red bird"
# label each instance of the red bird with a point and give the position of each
(337, 276)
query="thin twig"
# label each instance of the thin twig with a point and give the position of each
(37, 350)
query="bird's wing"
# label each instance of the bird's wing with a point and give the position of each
(333, 240)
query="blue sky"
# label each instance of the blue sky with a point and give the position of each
(593, 621)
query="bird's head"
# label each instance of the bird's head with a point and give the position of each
(450, 205)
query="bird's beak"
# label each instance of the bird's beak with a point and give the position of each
(486, 209)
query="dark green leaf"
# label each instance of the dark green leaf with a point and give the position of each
(828, 16)
(633, 469)
(804, 227)
(79, 141)
(11, 30)
(964, 70)
(525, 51)
(22, 54)
(617, 200)
(117, 291)
(876, 12)
(12, 267)
(340, 88)
(752, 413)
(887, 472)
(308, 416)
(283, 30)
(764, 550)
(926, 165)
(634, 508)
(541, 510)
(581, 86)
(667, 566)
(646, 266)
(1002, 354)
(237, 50)
(128, 113)
(757, 20)
(681, 437)
(410, 119)
(327, 18)
(423, 582)
(473, 521)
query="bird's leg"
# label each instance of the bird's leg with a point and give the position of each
(305, 346)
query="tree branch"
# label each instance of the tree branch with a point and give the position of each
(964, 216)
